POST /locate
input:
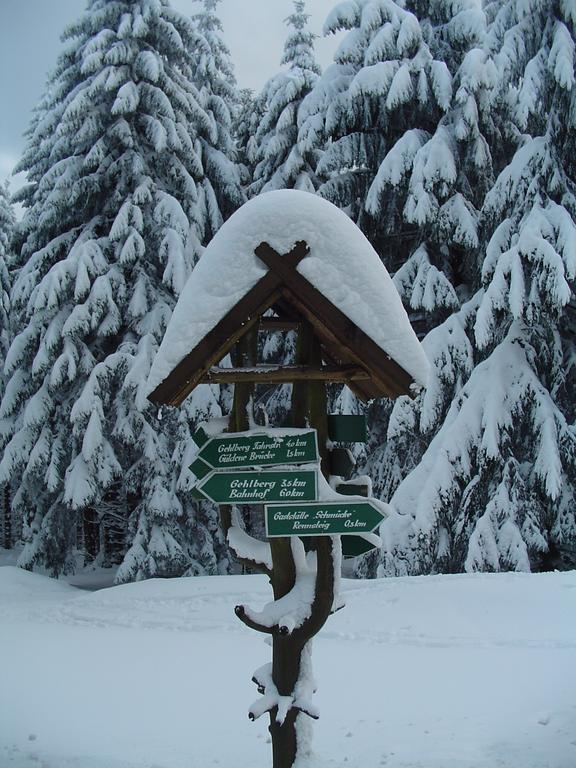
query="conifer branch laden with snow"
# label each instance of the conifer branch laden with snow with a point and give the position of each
(212, 72)
(7, 222)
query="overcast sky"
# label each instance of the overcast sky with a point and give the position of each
(254, 30)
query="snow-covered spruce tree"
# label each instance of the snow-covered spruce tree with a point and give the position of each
(282, 162)
(496, 489)
(247, 119)
(6, 230)
(212, 73)
(385, 82)
(440, 179)
(277, 161)
(219, 193)
(420, 188)
(114, 221)
(384, 85)
(7, 221)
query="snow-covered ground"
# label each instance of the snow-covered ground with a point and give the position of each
(475, 671)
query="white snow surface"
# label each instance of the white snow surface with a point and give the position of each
(342, 265)
(466, 671)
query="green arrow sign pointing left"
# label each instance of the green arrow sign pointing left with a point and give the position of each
(259, 487)
(264, 449)
(327, 518)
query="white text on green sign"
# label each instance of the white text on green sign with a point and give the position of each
(264, 449)
(259, 487)
(323, 518)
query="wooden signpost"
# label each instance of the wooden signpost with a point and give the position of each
(235, 468)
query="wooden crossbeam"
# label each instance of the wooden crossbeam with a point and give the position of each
(278, 324)
(285, 374)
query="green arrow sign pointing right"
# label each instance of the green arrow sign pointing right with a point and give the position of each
(327, 518)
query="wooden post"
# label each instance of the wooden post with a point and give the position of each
(308, 408)
(288, 646)
(243, 356)
(240, 416)
(318, 401)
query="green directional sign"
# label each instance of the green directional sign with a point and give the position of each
(347, 429)
(259, 487)
(323, 518)
(353, 546)
(259, 449)
(340, 462)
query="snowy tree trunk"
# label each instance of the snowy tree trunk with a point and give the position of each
(116, 511)
(91, 534)
(288, 648)
(309, 407)
(7, 537)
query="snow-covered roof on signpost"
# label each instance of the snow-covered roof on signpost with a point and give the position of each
(311, 256)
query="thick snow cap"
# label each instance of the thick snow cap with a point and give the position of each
(342, 265)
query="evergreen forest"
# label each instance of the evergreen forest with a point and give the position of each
(445, 129)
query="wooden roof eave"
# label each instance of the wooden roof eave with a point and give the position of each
(387, 379)
(336, 329)
(218, 342)
(282, 285)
